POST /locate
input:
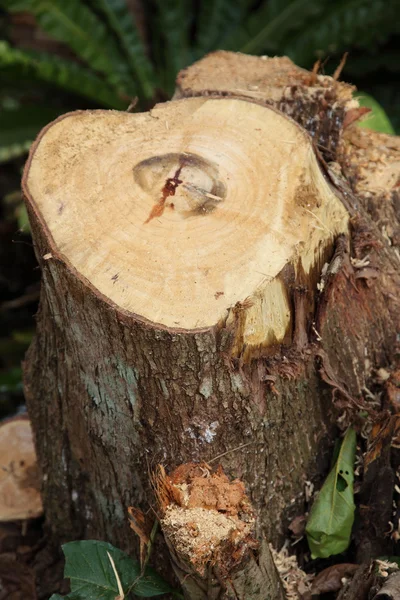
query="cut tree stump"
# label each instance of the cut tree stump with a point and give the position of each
(202, 294)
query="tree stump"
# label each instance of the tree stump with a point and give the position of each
(197, 283)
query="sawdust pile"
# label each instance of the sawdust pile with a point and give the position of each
(207, 518)
(296, 582)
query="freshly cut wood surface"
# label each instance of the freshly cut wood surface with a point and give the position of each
(179, 214)
(319, 103)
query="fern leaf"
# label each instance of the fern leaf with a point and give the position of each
(343, 24)
(72, 22)
(122, 23)
(215, 19)
(19, 127)
(172, 22)
(362, 64)
(65, 74)
(267, 26)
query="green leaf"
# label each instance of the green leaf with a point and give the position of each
(65, 74)
(341, 25)
(121, 21)
(215, 19)
(73, 23)
(377, 120)
(172, 23)
(69, 597)
(151, 584)
(92, 576)
(332, 514)
(22, 218)
(11, 380)
(18, 129)
(388, 96)
(266, 27)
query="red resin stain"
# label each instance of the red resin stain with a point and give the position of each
(168, 190)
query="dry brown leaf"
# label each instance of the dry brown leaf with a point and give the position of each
(330, 579)
(298, 525)
(382, 434)
(142, 525)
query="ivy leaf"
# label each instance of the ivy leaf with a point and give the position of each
(92, 576)
(377, 119)
(332, 514)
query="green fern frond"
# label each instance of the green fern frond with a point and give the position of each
(267, 26)
(342, 25)
(19, 127)
(65, 74)
(122, 23)
(72, 22)
(171, 25)
(216, 19)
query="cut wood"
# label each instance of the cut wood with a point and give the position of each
(319, 103)
(371, 164)
(209, 525)
(19, 474)
(187, 216)
(199, 303)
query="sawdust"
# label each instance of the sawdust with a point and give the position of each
(207, 518)
(296, 582)
(199, 535)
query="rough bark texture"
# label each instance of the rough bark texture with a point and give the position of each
(111, 396)
(127, 396)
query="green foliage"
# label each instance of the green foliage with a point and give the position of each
(332, 514)
(121, 22)
(377, 119)
(75, 24)
(272, 23)
(215, 19)
(342, 24)
(11, 380)
(113, 63)
(19, 128)
(171, 23)
(92, 574)
(64, 74)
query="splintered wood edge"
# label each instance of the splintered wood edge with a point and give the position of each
(226, 143)
(371, 161)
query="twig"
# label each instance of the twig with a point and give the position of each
(232, 450)
(121, 595)
(340, 67)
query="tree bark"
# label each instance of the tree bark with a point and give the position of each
(127, 372)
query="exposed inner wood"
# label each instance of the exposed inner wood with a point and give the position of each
(370, 162)
(319, 103)
(187, 215)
